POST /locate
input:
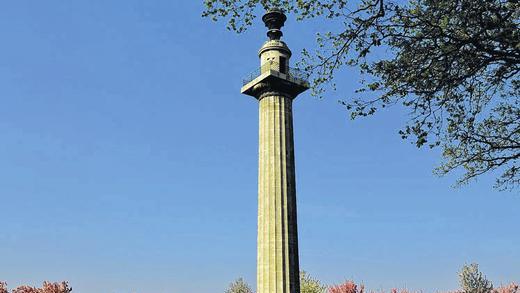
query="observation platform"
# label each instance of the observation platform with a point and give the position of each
(271, 77)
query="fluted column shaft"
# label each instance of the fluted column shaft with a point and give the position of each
(278, 268)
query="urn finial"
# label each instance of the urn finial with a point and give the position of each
(274, 19)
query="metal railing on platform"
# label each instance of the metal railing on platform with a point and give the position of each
(292, 73)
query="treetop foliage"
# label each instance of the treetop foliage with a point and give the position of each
(239, 286)
(47, 287)
(473, 281)
(453, 64)
(308, 284)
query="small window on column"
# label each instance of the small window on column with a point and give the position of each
(283, 64)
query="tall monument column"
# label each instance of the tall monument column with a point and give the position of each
(275, 85)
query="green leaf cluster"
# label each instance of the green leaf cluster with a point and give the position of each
(453, 65)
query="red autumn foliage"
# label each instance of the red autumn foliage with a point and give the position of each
(347, 287)
(511, 288)
(47, 287)
(3, 287)
(351, 287)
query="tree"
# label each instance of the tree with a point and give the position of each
(347, 287)
(473, 281)
(47, 287)
(452, 64)
(309, 284)
(3, 287)
(511, 288)
(239, 286)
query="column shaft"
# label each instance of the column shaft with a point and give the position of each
(278, 268)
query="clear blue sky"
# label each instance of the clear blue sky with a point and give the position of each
(128, 163)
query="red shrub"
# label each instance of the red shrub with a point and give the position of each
(511, 288)
(48, 287)
(347, 287)
(3, 287)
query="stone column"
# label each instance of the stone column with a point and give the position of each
(277, 263)
(275, 86)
